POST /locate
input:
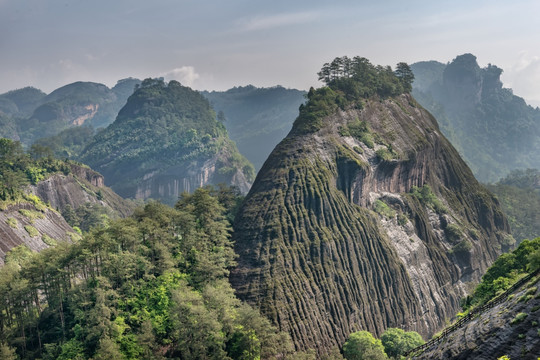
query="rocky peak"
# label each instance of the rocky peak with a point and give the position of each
(363, 218)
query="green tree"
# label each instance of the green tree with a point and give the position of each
(405, 75)
(361, 345)
(397, 342)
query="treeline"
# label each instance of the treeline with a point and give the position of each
(150, 286)
(358, 78)
(505, 271)
(19, 168)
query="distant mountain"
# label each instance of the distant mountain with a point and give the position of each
(257, 119)
(364, 216)
(29, 114)
(519, 194)
(495, 130)
(37, 194)
(166, 140)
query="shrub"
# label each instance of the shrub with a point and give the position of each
(519, 318)
(32, 231)
(383, 209)
(48, 240)
(383, 154)
(453, 232)
(12, 222)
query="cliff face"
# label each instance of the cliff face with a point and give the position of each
(371, 221)
(166, 140)
(24, 224)
(495, 130)
(497, 332)
(83, 185)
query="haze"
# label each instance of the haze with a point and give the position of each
(215, 45)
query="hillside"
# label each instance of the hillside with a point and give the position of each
(494, 130)
(364, 216)
(166, 140)
(33, 114)
(519, 194)
(507, 324)
(257, 119)
(44, 200)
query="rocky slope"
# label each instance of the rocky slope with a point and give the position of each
(37, 228)
(497, 332)
(363, 217)
(30, 114)
(257, 119)
(165, 141)
(495, 130)
(81, 186)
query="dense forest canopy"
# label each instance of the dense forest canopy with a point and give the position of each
(147, 287)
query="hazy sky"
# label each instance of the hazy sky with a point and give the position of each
(218, 44)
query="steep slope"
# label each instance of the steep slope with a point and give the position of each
(165, 141)
(519, 194)
(496, 131)
(38, 115)
(502, 318)
(80, 186)
(257, 119)
(36, 227)
(363, 217)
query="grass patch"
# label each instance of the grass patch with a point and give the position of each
(12, 222)
(383, 209)
(48, 240)
(519, 318)
(31, 214)
(32, 231)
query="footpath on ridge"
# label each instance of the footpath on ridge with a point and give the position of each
(470, 316)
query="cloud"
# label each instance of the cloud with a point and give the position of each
(278, 20)
(523, 77)
(186, 75)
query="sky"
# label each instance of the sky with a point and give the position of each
(219, 44)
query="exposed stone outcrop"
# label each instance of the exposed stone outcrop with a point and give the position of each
(496, 332)
(83, 185)
(316, 258)
(15, 218)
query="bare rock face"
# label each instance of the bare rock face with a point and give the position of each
(24, 224)
(83, 185)
(496, 332)
(172, 182)
(335, 235)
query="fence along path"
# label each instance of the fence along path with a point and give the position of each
(472, 314)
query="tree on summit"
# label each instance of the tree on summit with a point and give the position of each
(406, 75)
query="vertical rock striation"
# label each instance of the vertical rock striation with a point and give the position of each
(319, 256)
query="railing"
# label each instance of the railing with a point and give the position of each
(472, 314)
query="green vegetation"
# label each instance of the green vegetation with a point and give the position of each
(393, 344)
(151, 286)
(426, 196)
(519, 318)
(519, 195)
(496, 131)
(12, 222)
(69, 143)
(48, 240)
(383, 209)
(505, 271)
(361, 345)
(358, 78)
(349, 81)
(18, 169)
(397, 342)
(32, 231)
(257, 119)
(163, 128)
